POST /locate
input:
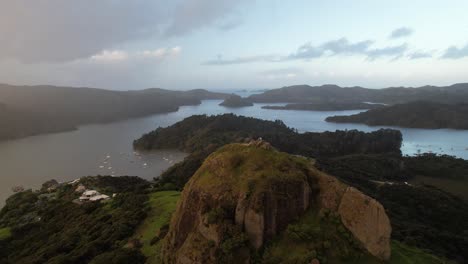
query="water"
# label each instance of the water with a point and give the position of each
(70, 155)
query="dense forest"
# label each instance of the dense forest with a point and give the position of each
(30, 110)
(414, 115)
(200, 135)
(328, 106)
(421, 215)
(48, 227)
(457, 93)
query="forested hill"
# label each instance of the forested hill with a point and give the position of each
(201, 135)
(414, 115)
(456, 93)
(30, 110)
(197, 132)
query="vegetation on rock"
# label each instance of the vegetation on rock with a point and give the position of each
(246, 195)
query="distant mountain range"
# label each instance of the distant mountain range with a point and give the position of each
(30, 110)
(456, 93)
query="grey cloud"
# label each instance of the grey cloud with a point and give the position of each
(191, 14)
(419, 55)
(391, 51)
(307, 51)
(343, 46)
(401, 32)
(454, 52)
(331, 48)
(58, 31)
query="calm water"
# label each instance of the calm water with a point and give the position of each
(70, 155)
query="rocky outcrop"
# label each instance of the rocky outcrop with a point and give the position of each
(246, 194)
(367, 221)
(363, 216)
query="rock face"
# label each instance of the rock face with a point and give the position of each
(245, 194)
(367, 221)
(363, 216)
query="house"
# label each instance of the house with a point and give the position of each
(99, 197)
(93, 196)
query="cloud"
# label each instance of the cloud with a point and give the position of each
(419, 55)
(401, 33)
(454, 52)
(161, 53)
(112, 56)
(335, 47)
(343, 46)
(338, 47)
(242, 60)
(390, 51)
(60, 31)
(192, 14)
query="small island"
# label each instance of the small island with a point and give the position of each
(326, 106)
(420, 114)
(236, 101)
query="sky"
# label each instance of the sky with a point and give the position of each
(233, 44)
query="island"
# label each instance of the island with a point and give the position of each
(327, 106)
(236, 101)
(420, 114)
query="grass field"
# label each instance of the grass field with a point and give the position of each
(162, 205)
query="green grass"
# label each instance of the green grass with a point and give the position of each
(162, 205)
(5, 233)
(404, 254)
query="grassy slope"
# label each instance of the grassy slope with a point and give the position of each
(5, 233)
(162, 204)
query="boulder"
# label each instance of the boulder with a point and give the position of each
(366, 219)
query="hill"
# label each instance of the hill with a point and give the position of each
(457, 93)
(200, 135)
(236, 101)
(414, 115)
(248, 203)
(30, 110)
